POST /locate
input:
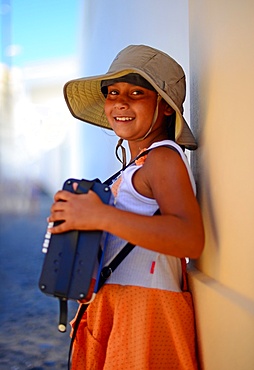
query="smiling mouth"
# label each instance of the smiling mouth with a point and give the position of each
(123, 119)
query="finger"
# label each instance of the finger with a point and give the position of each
(62, 195)
(58, 207)
(57, 216)
(55, 228)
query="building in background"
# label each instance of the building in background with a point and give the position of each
(36, 149)
(37, 137)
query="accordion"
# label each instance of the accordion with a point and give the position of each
(70, 257)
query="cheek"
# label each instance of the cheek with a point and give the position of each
(108, 111)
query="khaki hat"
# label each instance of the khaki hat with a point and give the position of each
(86, 101)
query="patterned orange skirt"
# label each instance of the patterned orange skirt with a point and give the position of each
(128, 327)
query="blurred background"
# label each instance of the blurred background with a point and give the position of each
(43, 44)
(39, 53)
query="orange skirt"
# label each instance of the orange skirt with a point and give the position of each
(128, 327)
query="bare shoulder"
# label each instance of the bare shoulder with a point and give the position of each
(163, 167)
(164, 156)
(163, 176)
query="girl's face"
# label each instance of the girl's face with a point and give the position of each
(130, 110)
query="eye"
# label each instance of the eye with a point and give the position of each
(137, 92)
(112, 93)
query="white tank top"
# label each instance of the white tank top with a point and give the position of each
(143, 267)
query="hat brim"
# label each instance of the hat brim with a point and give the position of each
(86, 102)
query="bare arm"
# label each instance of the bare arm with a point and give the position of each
(178, 231)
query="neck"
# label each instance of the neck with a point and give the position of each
(136, 147)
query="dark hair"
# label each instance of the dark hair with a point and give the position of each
(170, 120)
(133, 78)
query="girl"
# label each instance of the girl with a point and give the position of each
(141, 318)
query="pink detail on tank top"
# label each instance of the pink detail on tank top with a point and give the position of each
(152, 267)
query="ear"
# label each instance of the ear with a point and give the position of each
(168, 111)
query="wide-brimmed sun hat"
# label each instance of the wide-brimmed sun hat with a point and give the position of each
(86, 101)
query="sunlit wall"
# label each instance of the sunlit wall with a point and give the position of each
(222, 76)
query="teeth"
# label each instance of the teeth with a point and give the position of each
(123, 119)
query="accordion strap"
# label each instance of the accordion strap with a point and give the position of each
(145, 152)
(109, 269)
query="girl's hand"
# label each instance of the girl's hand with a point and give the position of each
(76, 211)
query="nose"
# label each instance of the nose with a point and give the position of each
(121, 102)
